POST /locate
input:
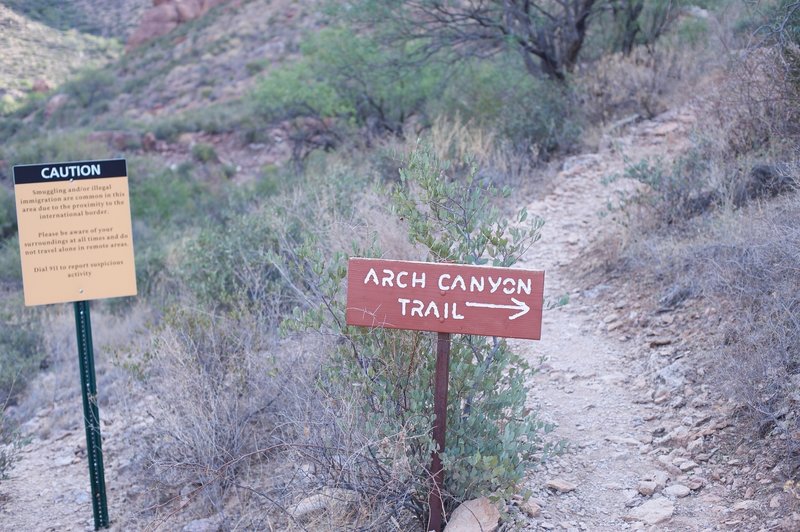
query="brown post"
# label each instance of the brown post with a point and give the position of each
(439, 429)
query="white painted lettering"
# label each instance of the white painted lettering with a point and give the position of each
(476, 284)
(495, 284)
(403, 302)
(459, 280)
(418, 280)
(456, 315)
(441, 279)
(508, 283)
(388, 276)
(418, 306)
(432, 307)
(400, 283)
(373, 275)
(524, 285)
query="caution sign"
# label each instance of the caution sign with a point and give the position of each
(74, 231)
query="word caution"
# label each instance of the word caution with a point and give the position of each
(451, 298)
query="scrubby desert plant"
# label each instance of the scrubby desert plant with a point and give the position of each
(21, 347)
(386, 375)
(498, 96)
(10, 443)
(343, 80)
(217, 386)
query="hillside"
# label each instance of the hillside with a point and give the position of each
(39, 57)
(651, 174)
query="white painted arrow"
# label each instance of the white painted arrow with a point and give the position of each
(520, 305)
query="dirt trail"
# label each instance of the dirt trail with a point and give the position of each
(594, 385)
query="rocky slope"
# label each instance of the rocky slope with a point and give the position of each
(37, 57)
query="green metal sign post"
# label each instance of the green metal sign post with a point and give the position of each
(91, 414)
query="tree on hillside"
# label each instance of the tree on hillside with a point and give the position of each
(640, 22)
(548, 34)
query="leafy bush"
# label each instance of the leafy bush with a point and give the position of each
(89, 94)
(386, 375)
(214, 119)
(52, 147)
(499, 96)
(678, 194)
(226, 265)
(167, 198)
(344, 80)
(10, 266)
(204, 153)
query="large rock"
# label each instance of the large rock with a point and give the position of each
(334, 501)
(166, 15)
(677, 491)
(477, 515)
(560, 485)
(209, 524)
(54, 104)
(652, 512)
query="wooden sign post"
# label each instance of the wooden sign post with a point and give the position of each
(444, 298)
(75, 245)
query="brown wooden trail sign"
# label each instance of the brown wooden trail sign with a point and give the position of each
(444, 298)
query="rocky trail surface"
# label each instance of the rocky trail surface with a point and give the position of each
(644, 432)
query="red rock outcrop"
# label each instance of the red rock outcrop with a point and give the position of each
(166, 15)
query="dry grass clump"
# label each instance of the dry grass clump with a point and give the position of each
(498, 161)
(217, 383)
(57, 388)
(618, 85)
(758, 104)
(750, 263)
(347, 479)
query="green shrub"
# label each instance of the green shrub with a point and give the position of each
(168, 198)
(90, 94)
(10, 266)
(674, 195)
(348, 77)
(53, 147)
(225, 265)
(214, 119)
(500, 96)
(204, 153)
(387, 375)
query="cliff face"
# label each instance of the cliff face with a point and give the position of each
(166, 15)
